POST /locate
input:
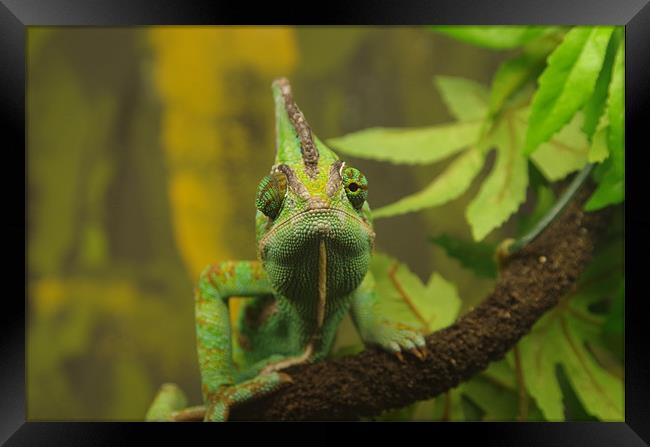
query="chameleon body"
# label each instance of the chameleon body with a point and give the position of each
(315, 239)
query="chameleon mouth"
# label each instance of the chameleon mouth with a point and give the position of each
(324, 230)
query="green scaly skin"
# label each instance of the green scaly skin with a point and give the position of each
(315, 239)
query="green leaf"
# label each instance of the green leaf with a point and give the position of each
(573, 408)
(505, 188)
(515, 73)
(565, 152)
(465, 99)
(600, 392)
(447, 186)
(448, 407)
(536, 178)
(398, 415)
(497, 403)
(502, 374)
(168, 399)
(613, 327)
(424, 410)
(446, 302)
(495, 393)
(567, 82)
(610, 191)
(494, 37)
(603, 277)
(406, 299)
(611, 176)
(476, 256)
(611, 187)
(611, 183)
(409, 146)
(595, 106)
(561, 338)
(616, 113)
(598, 150)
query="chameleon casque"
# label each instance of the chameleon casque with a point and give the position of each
(314, 243)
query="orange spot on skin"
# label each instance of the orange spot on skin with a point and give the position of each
(212, 352)
(221, 272)
(201, 321)
(215, 272)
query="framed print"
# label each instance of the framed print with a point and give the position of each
(413, 213)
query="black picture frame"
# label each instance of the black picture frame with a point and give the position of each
(16, 15)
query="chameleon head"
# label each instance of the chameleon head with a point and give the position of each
(314, 228)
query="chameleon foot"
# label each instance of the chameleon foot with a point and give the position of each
(220, 403)
(397, 338)
(418, 351)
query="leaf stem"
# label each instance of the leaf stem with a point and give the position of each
(566, 197)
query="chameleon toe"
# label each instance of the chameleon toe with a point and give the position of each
(408, 345)
(394, 347)
(419, 341)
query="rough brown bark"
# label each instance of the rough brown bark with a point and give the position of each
(531, 282)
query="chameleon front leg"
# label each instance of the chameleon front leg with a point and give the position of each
(216, 284)
(375, 328)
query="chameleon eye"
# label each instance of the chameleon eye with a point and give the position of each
(270, 194)
(356, 186)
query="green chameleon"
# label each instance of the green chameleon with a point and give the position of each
(315, 238)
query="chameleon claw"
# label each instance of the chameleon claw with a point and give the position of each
(408, 345)
(419, 353)
(285, 378)
(399, 356)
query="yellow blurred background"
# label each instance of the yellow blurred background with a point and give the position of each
(145, 146)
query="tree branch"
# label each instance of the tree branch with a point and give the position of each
(531, 282)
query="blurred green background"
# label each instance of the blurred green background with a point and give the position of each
(145, 147)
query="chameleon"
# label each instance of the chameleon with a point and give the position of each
(315, 240)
